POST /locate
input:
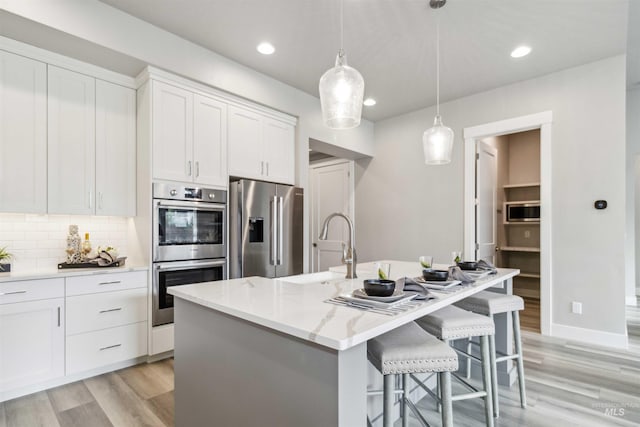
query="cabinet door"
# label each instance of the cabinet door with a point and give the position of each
(279, 151)
(71, 142)
(245, 144)
(209, 141)
(32, 337)
(23, 134)
(172, 118)
(115, 150)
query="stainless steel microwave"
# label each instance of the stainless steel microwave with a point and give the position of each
(522, 211)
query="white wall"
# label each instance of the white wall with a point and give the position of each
(405, 209)
(633, 191)
(103, 25)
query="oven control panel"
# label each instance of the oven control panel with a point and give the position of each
(198, 194)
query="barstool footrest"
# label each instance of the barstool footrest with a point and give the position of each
(466, 396)
(465, 383)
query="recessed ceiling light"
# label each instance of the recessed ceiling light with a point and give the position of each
(520, 51)
(266, 48)
(369, 102)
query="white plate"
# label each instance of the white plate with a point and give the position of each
(440, 285)
(397, 294)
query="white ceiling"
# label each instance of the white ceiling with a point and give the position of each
(391, 42)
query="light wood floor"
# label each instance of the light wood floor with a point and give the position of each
(568, 384)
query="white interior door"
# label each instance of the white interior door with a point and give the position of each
(331, 191)
(486, 188)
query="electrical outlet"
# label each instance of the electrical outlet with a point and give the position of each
(527, 234)
(576, 307)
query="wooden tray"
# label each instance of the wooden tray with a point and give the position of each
(119, 263)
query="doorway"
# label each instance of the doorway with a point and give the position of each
(497, 185)
(331, 190)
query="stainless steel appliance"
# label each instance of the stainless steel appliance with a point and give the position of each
(188, 223)
(265, 229)
(522, 211)
(168, 274)
(189, 241)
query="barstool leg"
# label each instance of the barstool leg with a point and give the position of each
(486, 380)
(447, 407)
(405, 394)
(494, 374)
(518, 339)
(387, 399)
(468, 358)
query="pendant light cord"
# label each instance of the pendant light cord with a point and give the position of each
(341, 27)
(437, 62)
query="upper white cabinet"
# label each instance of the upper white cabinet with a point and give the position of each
(91, 141)
(115, 149)
(71, 141)
(189, 136)
(260, 147)
(23, 134)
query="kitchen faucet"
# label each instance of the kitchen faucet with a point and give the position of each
(349, 254)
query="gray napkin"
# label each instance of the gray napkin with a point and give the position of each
(409, 285)
(456, 273)
(486, 265)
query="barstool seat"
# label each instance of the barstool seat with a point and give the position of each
(453, 323)
(490, 303)
(408, 350)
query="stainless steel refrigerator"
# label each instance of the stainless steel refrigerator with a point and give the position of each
(265, 229)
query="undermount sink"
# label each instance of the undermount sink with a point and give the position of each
(313, 277)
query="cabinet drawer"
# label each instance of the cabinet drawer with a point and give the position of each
(95, 349)
(31, 290)
(92, 284)
(93, 312)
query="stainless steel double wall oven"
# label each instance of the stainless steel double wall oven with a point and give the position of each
(189, 241)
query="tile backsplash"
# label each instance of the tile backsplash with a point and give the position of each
(38, 242)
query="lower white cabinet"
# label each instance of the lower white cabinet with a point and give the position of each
(31, 333)
(92, 350)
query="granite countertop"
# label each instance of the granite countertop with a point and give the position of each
(55, 273)
(295, 305)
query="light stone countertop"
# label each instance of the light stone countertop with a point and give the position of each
(69, 272)
(295, 305)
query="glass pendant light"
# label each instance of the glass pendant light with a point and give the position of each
(437, 141)
(341, 91)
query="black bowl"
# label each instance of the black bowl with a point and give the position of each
(435, 275)
(468, 265)
(379, 287)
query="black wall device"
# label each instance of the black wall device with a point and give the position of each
(600, 204)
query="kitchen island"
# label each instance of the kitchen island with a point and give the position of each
(257, 351)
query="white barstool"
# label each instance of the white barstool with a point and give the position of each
(489, 304)
(453, 323)
(410, 350)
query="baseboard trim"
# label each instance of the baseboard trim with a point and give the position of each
(590, 336)
(631, 300)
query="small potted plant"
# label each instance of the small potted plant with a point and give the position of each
(4, 258)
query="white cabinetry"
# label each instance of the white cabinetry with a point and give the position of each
(106, 320)
(23, 134)
(91, 141)
(71, 142)
(260, 147)
(31, 332)
(189, 136)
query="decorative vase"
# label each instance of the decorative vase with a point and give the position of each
(5, 268)
(74, 249)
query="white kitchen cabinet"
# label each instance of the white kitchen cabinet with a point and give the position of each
(115, 150)
(260, 147)
(71, 142)
(189, 136)
(31, 333)
(23, 134)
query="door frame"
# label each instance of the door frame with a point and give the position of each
(542, 121)
(352, 202)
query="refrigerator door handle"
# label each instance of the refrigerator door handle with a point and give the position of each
(280, 229)
(274, 230)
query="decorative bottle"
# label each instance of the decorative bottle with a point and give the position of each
(74, 254)
(86, 246)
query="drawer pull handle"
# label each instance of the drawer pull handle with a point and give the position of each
(58, 317)
(111, 346)
(110, 310)
(13, 293)
(109, 283)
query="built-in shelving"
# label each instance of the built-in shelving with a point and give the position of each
(529, 275)
(519, 249)
(530, 184)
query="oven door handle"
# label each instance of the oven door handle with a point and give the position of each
(189, 265)
(204, 206)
